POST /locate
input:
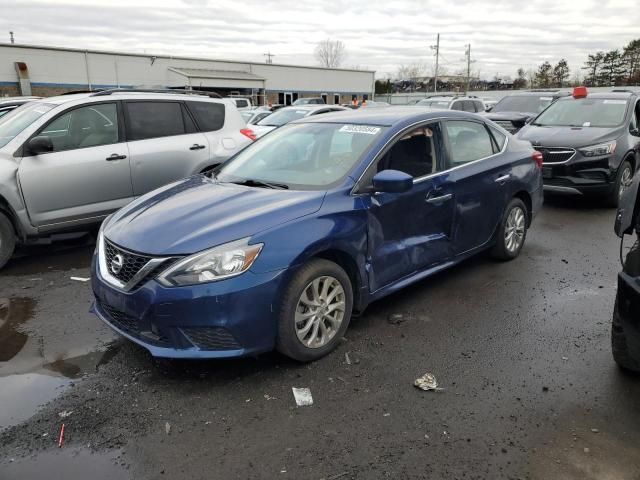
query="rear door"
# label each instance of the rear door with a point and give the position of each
(217, 125)
(164, 144)
(87, 174)
(481, 176)
(410, 231)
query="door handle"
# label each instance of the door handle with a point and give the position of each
(503, 178)
(115, 156)
(440, 199)
(195, 146)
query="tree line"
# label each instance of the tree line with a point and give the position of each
(616, 67)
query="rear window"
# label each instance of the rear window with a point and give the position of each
(209, 115)
(241, 103)
(154, 119)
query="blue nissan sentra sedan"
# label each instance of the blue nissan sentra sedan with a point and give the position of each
(279, 246)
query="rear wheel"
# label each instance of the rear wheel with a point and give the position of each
(315, 311)
(7, 240)
(623, 180)
(512, 231)
(619, 344)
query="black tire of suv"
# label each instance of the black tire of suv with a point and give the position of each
(287, 342)
(7, 239)
(619, 344)
(500, 250)
(614, 196)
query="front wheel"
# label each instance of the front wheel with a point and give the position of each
(315, 311)
(7, 240)
(623, 180)
(619, 347)
(512, 231)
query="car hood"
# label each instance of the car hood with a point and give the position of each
(565, 136)
(509, 116)
(198, 213)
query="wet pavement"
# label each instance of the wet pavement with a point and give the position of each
(521, 349)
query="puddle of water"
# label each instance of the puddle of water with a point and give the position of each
(66, 464)
(31, 375)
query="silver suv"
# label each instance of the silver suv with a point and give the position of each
(448, 102)
(67, 162)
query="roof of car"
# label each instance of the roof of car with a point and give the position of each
(608, 95)
(14, 100)
(311, 107)
(91, 97)
(540, 93)
(385, 117)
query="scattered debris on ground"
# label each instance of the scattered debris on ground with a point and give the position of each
(427, 382)
(303, 396)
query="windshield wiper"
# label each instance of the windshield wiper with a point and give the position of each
(250, 182)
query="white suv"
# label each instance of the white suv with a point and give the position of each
(67, 162)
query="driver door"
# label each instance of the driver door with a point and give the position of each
(87, 174)
(410, 231)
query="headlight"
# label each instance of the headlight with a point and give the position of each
(599, 150)
(218, 263)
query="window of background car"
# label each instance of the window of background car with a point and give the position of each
(305, 156)
(209, 115)
(154, 119)
(20, 118)
(457, 105)
(468, 106)
(433, 103)
(499, 137)
(84, 127)
(586, 112)
(240, 103)
(522, 103)
(468, 141)
(414, 153)
(479, 106)
(282, 117)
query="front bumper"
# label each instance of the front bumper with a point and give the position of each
(229, 318)
(580, 176)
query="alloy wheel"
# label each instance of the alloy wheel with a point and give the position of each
(320, 312)
(625, 180)
(514, 229)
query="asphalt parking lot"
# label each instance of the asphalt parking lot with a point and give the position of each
(521, 349)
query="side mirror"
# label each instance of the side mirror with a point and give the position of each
(392, 181)
(38, 145)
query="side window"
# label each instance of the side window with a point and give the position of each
(468, 141)
(154, 119)
(635, 118)
(457, 105)
(479, 106)
(209, 115)
(240, 103)
(84, 127)
(499, 137)
(414, 153)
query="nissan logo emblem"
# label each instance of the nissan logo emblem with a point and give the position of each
(116, 264)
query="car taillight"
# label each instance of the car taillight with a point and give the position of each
(538, 158)
(247, 132)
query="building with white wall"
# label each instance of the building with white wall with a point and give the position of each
(49, 71)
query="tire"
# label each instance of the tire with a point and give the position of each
(614, 197)
(335, 321)
(517, 212)
(619, 344)
(7, 240)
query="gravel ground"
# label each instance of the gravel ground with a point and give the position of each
(521, 349)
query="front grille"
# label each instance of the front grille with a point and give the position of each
(556, 154)
(131, 262)
(507, 125)
(211, 338)
(130, 325)
(120, 319)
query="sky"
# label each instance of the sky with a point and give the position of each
(380, 36)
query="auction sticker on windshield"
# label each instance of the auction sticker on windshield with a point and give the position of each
(360, 129)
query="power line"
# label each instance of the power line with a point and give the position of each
(269, 56)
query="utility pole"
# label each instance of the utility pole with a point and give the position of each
(269, 56)
(468, 53)
(435, 76)
(11, 37)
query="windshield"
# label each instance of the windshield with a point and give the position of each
(20, 118)
(586, 112)
(522, 103)
(283, 116)
(302, 156)
(434, 103)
